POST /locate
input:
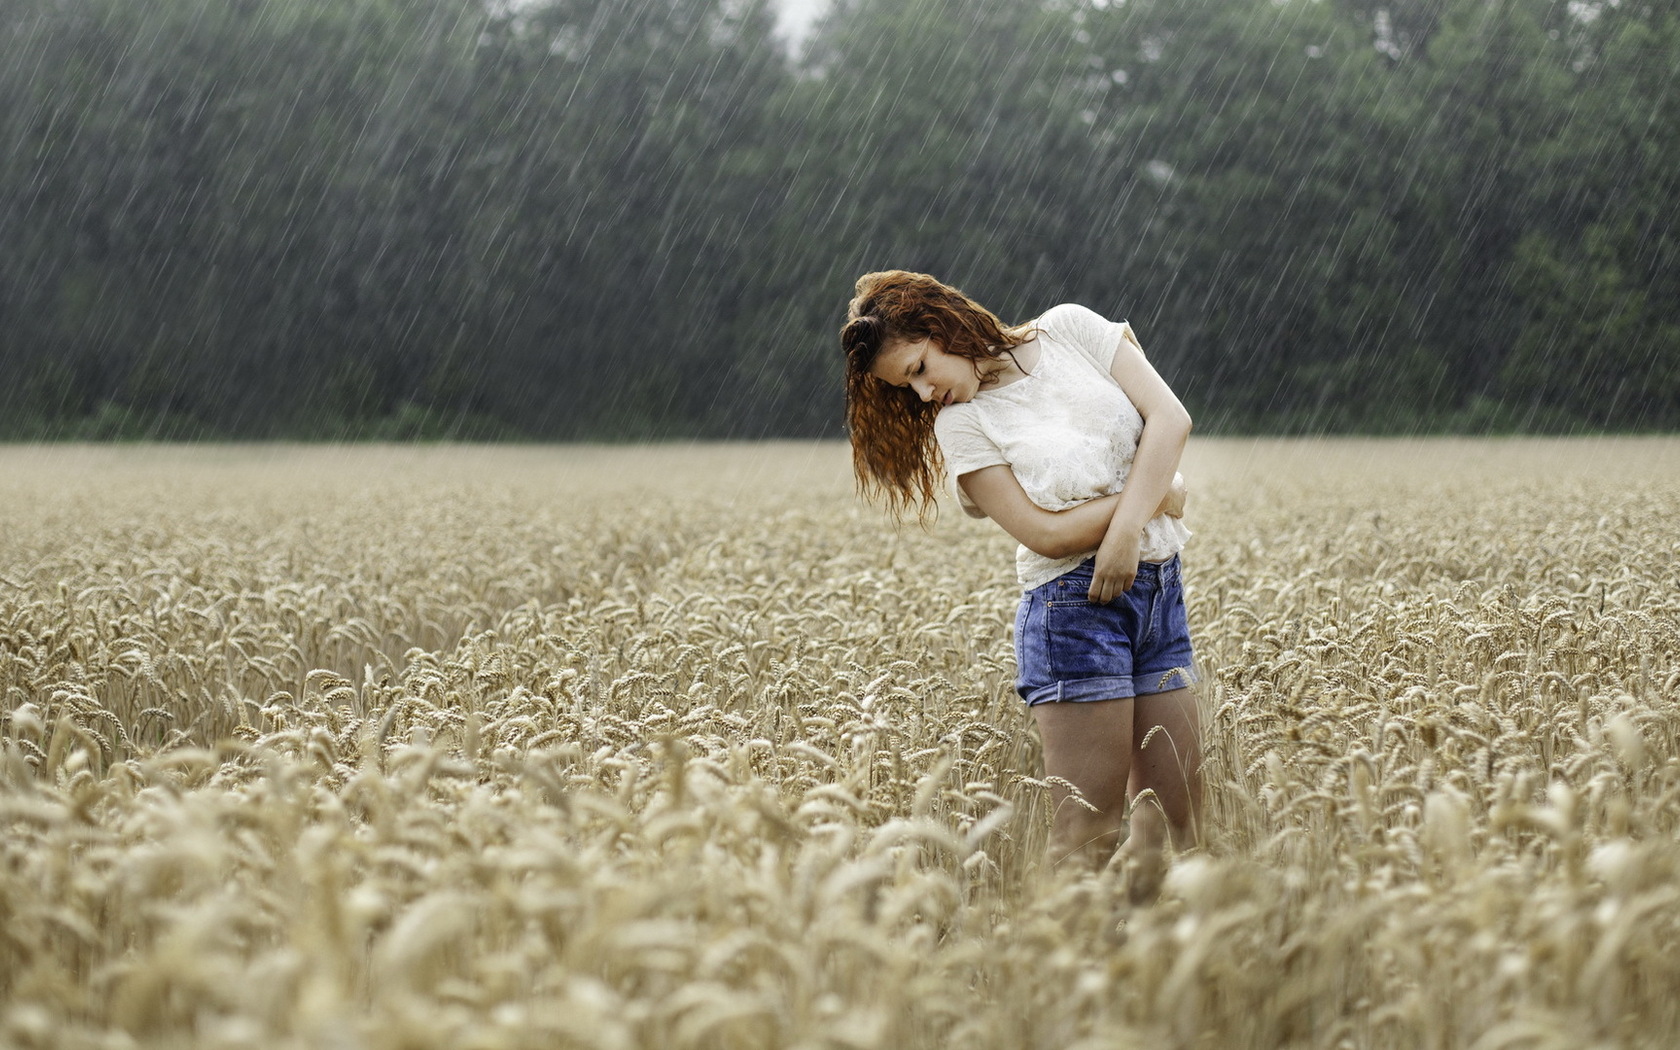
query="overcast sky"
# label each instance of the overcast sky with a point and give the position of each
(796, 17)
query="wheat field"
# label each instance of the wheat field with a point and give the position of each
(683, 747)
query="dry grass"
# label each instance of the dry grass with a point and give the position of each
(682, 748)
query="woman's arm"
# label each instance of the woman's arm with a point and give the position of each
(1166, 427)
(1052, 533)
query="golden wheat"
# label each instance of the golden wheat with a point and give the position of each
(682, 747)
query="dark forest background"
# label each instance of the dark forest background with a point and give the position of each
(619, 219)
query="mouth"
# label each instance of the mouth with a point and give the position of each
(946, 400)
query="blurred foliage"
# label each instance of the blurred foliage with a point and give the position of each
(627, 219)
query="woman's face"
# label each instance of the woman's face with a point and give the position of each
(933, 374)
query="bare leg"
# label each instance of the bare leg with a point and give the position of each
(1090, 746)
(1166, 761)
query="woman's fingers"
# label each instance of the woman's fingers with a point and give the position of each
(1115, 567)
(1105, 587)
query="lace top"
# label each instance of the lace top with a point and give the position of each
(1067, 431)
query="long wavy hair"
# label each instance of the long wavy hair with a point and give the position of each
(894, 454)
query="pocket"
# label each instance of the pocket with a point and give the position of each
(1169, 643)
(1175, 619)
(1022, 612)
(1087, 640)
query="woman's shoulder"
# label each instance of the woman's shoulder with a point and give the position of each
(1082, 329)
(962, 418)
(1062, 312)
(1069, 320)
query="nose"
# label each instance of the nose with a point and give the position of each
(923, 389)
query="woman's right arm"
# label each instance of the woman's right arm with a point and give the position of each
(1051, 533)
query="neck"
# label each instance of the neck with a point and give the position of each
(999, 369)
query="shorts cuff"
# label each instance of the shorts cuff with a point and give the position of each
(1081, 691)
(1164, 681)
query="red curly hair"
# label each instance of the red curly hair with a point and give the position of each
(894, 453)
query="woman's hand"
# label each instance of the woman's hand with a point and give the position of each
(1116, 567)
(1172, 505)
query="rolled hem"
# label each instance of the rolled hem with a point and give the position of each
(1081, 691)
(1164, 682)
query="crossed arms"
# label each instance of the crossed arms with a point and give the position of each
(1053, 533)
(1113, 525)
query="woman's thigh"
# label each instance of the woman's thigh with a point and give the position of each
(1167, 753)
(1090, 745)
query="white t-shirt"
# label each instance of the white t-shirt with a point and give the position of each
(1067, 431)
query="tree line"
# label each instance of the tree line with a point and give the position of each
(611, 219)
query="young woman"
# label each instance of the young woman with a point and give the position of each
(1061, 432)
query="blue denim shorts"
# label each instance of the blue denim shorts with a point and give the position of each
(1069, 648)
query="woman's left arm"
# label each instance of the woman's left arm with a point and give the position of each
(1166, 426)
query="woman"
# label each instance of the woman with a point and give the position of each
(1061, 432)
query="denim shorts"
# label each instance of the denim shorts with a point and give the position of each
(1069, 648)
